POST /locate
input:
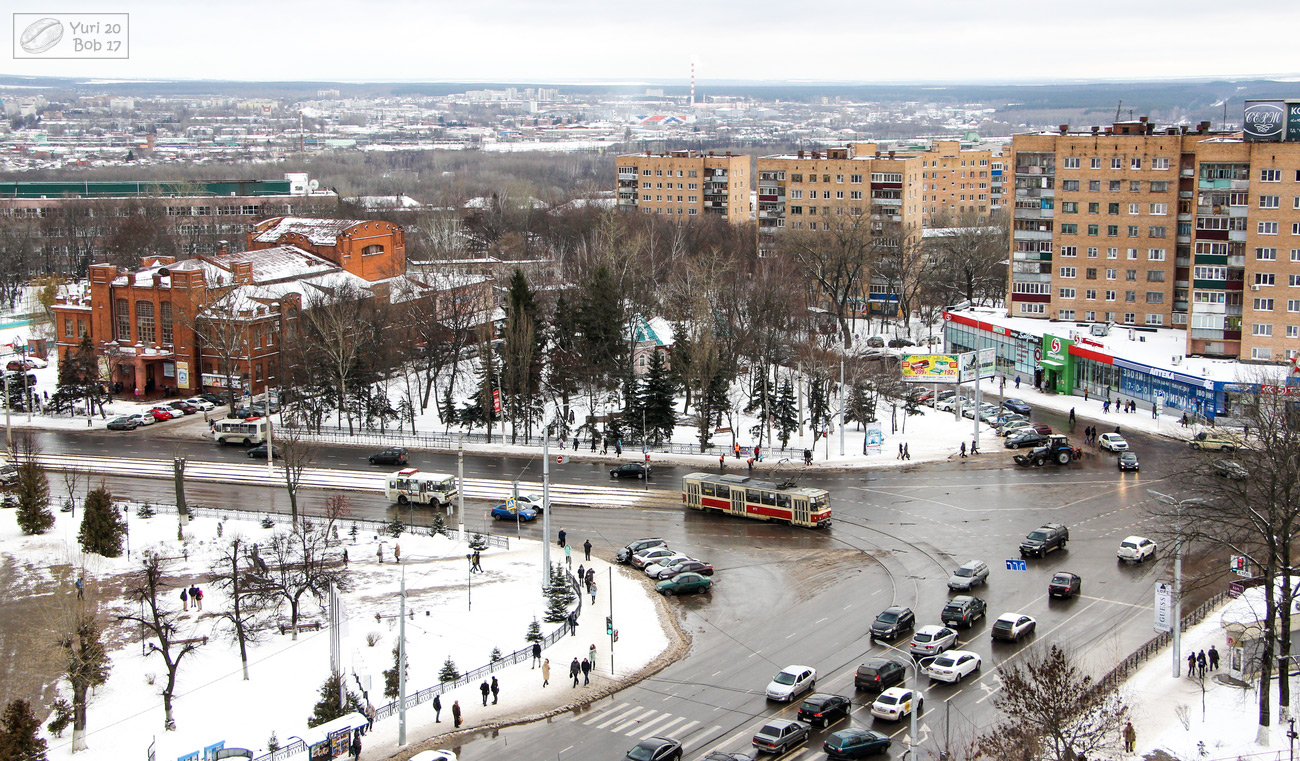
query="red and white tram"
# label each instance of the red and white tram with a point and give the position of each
(752, 498)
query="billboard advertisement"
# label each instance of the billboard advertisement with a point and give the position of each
(930, 368)
(1293, 122)
(1264, 120)
(875, 438)
(984, 365)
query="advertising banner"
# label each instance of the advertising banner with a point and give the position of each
(1293, 122)
(875, 438)
(1164, 606)
(930, 368)
(1264, 120)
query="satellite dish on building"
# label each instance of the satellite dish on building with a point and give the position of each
(164, 272)
(313, 184)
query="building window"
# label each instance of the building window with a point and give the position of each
(1093, 230)
(1261, 352)
(1069, 228)
(1270, 202)
(1155, 319)
(1160, 163)
(855, 179)
(1157, 231)
(1090, 294)
(123, 321)
(1092, 252)
(165, 321)
(1263, 305)
(1111, 274)
(1112, 231)
(1112, 208)
(1129, 318)
(1270, 175)
(1156, 254)
(1066, 314)
(144, 322)
(1115, 185)
(1155, 276)
(1069, 185)
(1292, 331)
(1159, 209)
(1133, 231)
(1033, 308)
(1090, 273)
(67, 327)
(1067, 293)
(1266, 228)
(1264, 278)
(1094, 163)
(1266, 254)
(1069, 207)
(1069, 272)
(1069, 251)
(1071, 163)
(1261, 329)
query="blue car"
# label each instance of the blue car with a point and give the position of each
(503, 513)
(1018, 406)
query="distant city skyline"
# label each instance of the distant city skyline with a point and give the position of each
(826, 41)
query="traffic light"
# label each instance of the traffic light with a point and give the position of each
(1239, 563)
(616, 635)
(609, 624)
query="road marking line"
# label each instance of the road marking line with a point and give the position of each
(1118, 602)
(818, 621)
(600, 714)
(715, 673)
(664, 729)
(646, 726)
(636, 720)
(687, 745)
(792, 634)
(620, 717)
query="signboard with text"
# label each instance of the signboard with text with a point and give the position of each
(1264, 120)
(930, 368)
(875, 437)
(1164, 621)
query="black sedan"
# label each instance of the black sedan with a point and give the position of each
(821, 709)
(1128, 461)
(855, 743)
(1026, 439)
(655, 749)
(631, 470)
(259, 452)
(390, 456)
(1064, 584)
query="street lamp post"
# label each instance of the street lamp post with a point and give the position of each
(916, 689)
(1177, 623)
(401, 664)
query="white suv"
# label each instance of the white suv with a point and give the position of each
(1136, 549)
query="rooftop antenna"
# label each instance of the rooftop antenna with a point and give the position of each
(692, 85)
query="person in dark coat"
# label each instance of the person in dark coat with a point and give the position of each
(574, 670)
(437, 709)
(485, 689)
(963, 449)
(1200, 664)
(561, 536)
(1214, 659)
(495, 689)
(537, 653)
(591, 576)
(455, 712)
(355, 750)
(573, 622)
(586, 549)
(586, 672)
(1191, 664)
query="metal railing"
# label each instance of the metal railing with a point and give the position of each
(1155, 645)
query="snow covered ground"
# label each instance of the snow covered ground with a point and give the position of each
(448, 618)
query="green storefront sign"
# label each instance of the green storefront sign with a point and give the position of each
(1057, 364)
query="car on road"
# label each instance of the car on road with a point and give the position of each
(1025, 438)
(184, 407)
(1230, 469)
(162, 413)
(21, 365)
(1012, 427)
(202, 404)
(1112, 442)
(780, 735)
(879, 674)
(947, 405)
(820, 709)
(963, 610)
(533, 501)
(855, 743)
(683, 584)
(932, 639)
(892, 622)
(625, 553)
(434, 755)
(1136, 549)
(1064, 585)
(1012, 627)
(259, 452)
(389, 456)
(1044, 539)
(673, 559)
(954, 666)
(651, 555)
(719, 755)
(1018, 406)
(895, 704)
(655, 749)
(216, 400)
(1128, 461)
(688, 565)
(1221, 441)
(143, 418)
(122, 424)
(971, 574)
(503, 513)
(630, 470)
(791, 682)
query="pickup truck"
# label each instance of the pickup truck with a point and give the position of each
(1044, 539)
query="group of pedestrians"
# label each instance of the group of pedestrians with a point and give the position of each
(904, 452)
(974, 448)
(1122, 405)
(188, 595)
(1199, 663)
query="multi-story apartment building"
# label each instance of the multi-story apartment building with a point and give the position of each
(959, 184)
(1139, 226)
(685, 184)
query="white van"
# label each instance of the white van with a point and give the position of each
(247, 431)
(412, 485)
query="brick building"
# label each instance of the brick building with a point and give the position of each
(685, 184)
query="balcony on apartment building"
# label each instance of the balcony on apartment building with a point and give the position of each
(1031, 234)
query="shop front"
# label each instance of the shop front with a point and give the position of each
(1057, 365)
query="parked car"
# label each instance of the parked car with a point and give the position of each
(162, 413)
(932, 640)
(1027, 437)
(213, 398)
(963, 610)
(684, 583)
(624, 554)
(954, 666)
(259, 452)
(947, 405)
(876, 342)
(1012, 627)
(202, 404)
(855, 743)
(1230, 469)
(820, 709)
(1222, 441)
(1112, 442)
(895, 704)
(503, 513)
(651, 555)
(434, 755)
(20, 365)
(719, 755)
(1018, 406)
(900, 343)
(184, 407)
(1128, 461)
(122, 424)
(1012, 427)
(689, 565)
(654, 567)
(892, 622)
(143, 418)
(970, 575)
(879, 674)
(655, 749)
(1136, 549)
(1044, 539)
(1064, 584)
(630, 470)
(9, 475)
(791, 682)
(780, 735)
(389, 456)
(531, 500)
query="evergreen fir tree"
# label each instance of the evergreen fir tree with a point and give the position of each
(33, 490)
(395, 527)
(495, 656)
(680, 374)
(328, 707)
(534, 632)
(631, 412)
(20, 738)
(477, 542)
(559, 595)
(448, 672)
(391, 681)
(438, 526)
(102, 526)
(861, 404)
(785, 413)
(61, 717)
(601, 322)
(818, 411)
(657, 400)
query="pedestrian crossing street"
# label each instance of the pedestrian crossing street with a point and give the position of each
(641, 722)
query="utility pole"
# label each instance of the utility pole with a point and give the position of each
(270, 445)
(841, 406)
(460, 483)
(546, 508)
(1177, 623)
(798, 381)
(401, 665)
(610, 586)
(9, 429)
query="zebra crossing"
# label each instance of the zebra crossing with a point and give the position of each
(641, 722)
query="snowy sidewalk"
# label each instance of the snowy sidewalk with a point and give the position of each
(1091, 409)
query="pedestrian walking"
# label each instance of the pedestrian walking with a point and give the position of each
(722, 462)
(586, 672)
(593, 443)
(591, 587)
(1191, 665)
(974, 446)
(586, 549)
(963, 449)
(475, 565)
(81, 588)
(537, 654)
(1085, 394)
(900, 450)
(1130, 737)
(485, 688)
(573, 622)
(568, 556)
(546, 672)
(575, 670)
(1214, 659)
(807, 457)
(345, 557)
(1017, 382)
(591, 656)
(379, 553)
(1071, 416)
(562, 535)
(185, 598)
(198, 598)
(397, 552)
(582, 573)
(455, 712)
(355, 750)
(1201, 663)
(618, 448)
(575, 443)
(437, 709)
(1105, 406)
(907, 452)
(495, 689)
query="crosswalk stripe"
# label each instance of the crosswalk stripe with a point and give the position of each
(685, 728)
(620, 717)
(600, 714)
(689, 745)
(665, 727)
(634, 720)
(646, 726)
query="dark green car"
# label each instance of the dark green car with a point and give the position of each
(684, 583)
(855, 743)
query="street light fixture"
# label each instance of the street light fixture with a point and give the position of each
(1177, 623)
(910, 662)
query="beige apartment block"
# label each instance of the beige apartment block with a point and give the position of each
(684, 185)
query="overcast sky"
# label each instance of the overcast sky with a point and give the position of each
(655, 41)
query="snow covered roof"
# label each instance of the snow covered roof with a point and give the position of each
(655, 330)
(275, 264)
(1249, 608)
(385, 203)
(321, 232)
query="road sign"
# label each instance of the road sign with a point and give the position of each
(510, 503)
(1164, 606)
(559, 459)
(1015, 565)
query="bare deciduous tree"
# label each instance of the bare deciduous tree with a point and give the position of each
(230, 572)
(161, 624)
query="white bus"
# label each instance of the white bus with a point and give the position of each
(411, 485)
(247, 431)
